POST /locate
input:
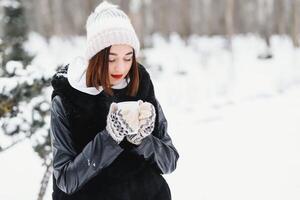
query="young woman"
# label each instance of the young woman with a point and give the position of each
(95, 154)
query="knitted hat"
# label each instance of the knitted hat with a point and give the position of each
(106, 26)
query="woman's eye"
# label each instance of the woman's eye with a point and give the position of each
(125, 59)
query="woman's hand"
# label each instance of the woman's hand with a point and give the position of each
(146, 123)
(115, 123)
(121, 122)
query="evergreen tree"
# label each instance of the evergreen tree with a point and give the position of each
(24, 107)
(24, 113)
(14, 32)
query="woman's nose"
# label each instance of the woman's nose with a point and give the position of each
(120, 65)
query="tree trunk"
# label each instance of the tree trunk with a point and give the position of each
(279, 16)
(295, 26)
(229, 20)
(45, 181)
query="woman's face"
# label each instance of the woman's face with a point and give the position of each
(119, 63)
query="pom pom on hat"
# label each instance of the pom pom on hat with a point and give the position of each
(104, 6)
(106, 26)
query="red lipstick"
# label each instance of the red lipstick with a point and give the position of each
(117, 76)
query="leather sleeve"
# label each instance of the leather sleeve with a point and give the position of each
(158, 148)
(74, 169)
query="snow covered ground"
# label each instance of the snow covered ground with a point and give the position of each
(233, 118)
(244, 151)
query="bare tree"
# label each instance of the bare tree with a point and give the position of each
(45, 181)
(279, 7)
(161, 14)
(229, 20)
(265, 24)
(295, 22)
(185, 19)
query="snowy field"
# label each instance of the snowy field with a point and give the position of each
(232, 117)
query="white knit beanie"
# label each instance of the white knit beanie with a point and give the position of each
(106, 26)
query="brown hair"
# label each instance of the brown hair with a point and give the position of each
(97, 73)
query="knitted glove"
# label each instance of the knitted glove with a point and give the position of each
(120, 123)
(147, 121)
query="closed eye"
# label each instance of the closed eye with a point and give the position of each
(125, 59)
(128, 59)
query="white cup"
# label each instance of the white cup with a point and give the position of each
(130, 110)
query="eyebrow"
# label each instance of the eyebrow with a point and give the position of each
(115, 54)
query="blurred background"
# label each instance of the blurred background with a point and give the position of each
(227, 73)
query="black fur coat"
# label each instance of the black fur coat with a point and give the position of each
(88, 164)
